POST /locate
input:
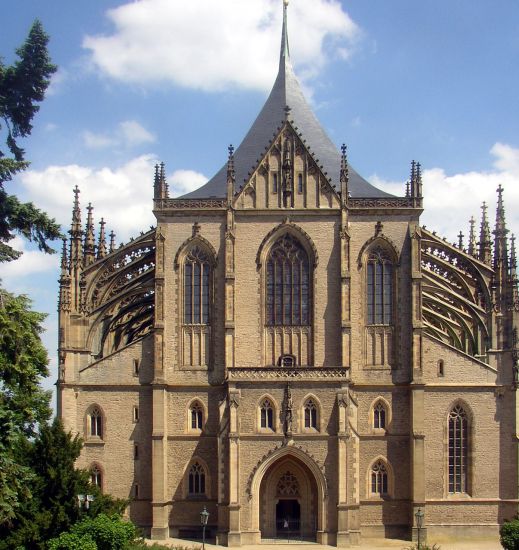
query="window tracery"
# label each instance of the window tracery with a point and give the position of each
(288, 284)
(379, 479)
(379, 416)
(311, 416)
(287, 486)
(196, 414)
(379, 288)
(197, 270)
(266, 415)
(95, 423)
(196, 479)
(458, 450)
(96, 476)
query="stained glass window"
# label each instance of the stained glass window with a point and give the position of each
(196, 287)
(379, 289)
(288, 284)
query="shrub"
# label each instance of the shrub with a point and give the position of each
(71, 541)
(108, 533)
(509, 533)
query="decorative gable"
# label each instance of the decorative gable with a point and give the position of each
(287, 176)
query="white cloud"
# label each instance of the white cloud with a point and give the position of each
(30, 263)
(450, 200)
(123, 196)
(210, 45)
(127, 134)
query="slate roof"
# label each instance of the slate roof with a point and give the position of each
(286, 92)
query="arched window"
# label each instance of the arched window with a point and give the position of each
(379, 484)
(288, 284)
(379, 416)
(379, 289)
(196, 414)
(196, 479)
(266, 414)
(310, 409)
(458, 450)
(96, 476)
(196, 287)
(95, 423)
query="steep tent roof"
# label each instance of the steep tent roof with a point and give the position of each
(286, 93)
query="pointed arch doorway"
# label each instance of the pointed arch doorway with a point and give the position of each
(288, 501)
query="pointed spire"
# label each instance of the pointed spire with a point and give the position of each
(231, 176)
(64, 259)
(89, 248)
(418, 180)
(485, 244)
(513, 272)
(112, 241)
(460, 240)
(472, 236)
(500, 232)
(101, 247)
(344, 174)
(284, 55)
(76, 233)
(64, 281)
(160, 186)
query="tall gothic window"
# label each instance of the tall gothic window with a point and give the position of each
(288, 284)
(379, 416)
(197, 416)
(196, 287)
(379, 289)
(379, 484)
(266, 414)
(310, 414)
(458, 448)
(95, 420)
(196, 479)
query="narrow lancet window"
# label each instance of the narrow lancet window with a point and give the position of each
(379, 289)
(196, 480)
(266, 415)
(196, 288)
(379, 484)
(458, 449)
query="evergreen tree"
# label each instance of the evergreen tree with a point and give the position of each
(24, 406)
(22, 86)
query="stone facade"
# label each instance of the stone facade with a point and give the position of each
(169, 373)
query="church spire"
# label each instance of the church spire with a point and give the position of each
(101, 247)
(284, 54)
(472, 236)
(89, 249)
(485, 244)
(500, 231)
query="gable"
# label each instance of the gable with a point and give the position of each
(287, 176)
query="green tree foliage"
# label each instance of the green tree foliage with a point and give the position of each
(509, 534)
(22, 87)
(23, 404)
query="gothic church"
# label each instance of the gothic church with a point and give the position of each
(290, 349)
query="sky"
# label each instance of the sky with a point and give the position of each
(177, 81)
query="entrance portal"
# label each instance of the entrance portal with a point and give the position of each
(288, 500)
(288, 518)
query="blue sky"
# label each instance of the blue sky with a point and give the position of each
(178, 81)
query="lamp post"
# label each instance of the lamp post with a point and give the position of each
(419, 523)
(204, 517)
